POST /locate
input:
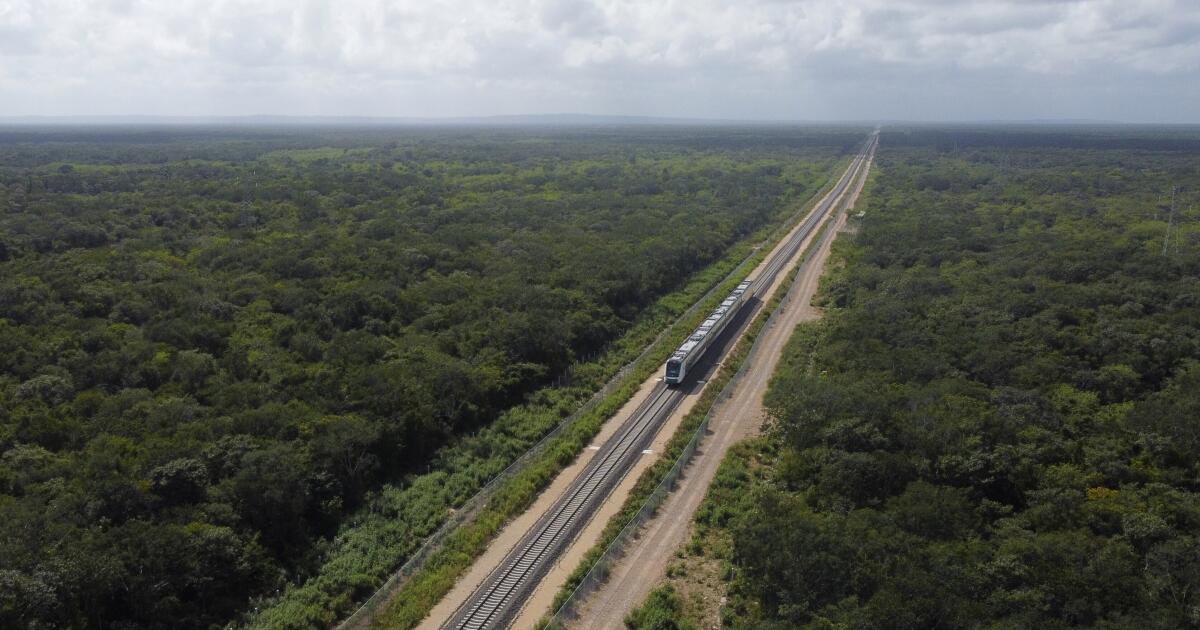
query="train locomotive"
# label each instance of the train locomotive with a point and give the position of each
(693, 348)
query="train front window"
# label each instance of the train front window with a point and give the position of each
(672, 368)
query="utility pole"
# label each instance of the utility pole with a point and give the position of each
(1191, 212)
(1170, 220)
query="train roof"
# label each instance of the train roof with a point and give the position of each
(712, 320)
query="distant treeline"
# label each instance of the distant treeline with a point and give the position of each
(1182, 138)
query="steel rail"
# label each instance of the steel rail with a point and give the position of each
(557, 526)
(496, 601)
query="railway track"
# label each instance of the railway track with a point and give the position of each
(509, 585)
(499, 597)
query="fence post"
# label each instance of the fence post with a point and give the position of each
(599, 571)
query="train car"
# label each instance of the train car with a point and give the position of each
(693, 348)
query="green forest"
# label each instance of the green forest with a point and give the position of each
(217, 344)
(997, 423)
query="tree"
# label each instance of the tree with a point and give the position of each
(181, 480)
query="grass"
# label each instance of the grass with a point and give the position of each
(652, 477)
(398, 518)
(417, 597)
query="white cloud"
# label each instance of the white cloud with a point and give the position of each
(747, 58)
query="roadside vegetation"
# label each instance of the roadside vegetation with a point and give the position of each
(686, 431)
(412, 602)
(421, 592)
(995, 425)
(222, 352)
(696, 582)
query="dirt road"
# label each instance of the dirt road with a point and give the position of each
(645, 561)
(539, 602)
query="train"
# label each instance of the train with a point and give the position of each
(693, 348)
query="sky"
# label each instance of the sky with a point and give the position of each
(935, 60)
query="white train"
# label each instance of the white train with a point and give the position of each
(693, 348)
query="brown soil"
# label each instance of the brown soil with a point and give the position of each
(512, 532)
(538, 604)
(644, 563)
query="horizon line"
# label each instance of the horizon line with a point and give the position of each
(560, 119)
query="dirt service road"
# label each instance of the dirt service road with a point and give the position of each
(515, 531)
(644, 563)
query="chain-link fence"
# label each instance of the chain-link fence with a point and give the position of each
(599, 572)
(472, 506)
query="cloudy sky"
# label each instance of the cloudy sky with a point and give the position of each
(1129, 60)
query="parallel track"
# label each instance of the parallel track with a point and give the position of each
(497, 600)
